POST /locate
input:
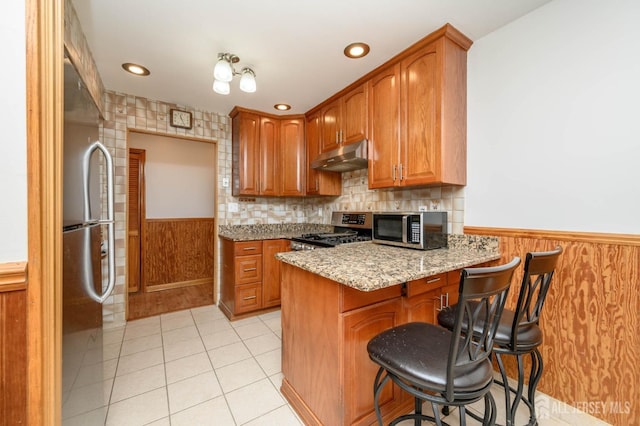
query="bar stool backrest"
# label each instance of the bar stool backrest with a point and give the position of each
(482, 296)
(538, 272)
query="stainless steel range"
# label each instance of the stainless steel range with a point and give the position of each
(349, 227)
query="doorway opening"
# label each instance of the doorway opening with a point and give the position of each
(170, 224)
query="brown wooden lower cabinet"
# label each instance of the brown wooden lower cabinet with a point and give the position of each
(328, 376)
(250, 276)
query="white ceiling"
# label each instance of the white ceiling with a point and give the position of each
(294, 46)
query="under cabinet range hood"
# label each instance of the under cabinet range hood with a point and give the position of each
(343, 159)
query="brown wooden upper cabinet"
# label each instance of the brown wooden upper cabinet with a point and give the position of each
(417, 114)
(319, 182)
(344, 120)
(268, 154)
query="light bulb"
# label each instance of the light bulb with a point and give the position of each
(221, 87)
(223, 71)
(248, 81)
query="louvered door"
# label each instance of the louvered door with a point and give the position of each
(136, 214)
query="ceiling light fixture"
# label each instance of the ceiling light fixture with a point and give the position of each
(223, 73)
(135, 69)
(356, 50)
(282, 107)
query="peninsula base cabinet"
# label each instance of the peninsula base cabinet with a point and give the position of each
(326, 326)
(250, 277)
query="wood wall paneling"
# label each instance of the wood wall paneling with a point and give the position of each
(13, 344)
(591, 319)
(178, 251)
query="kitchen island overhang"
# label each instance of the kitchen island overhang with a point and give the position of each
(335, 300)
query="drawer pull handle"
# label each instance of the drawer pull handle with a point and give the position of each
(249, 269)
(433, 280)
(249, 248)
(249, 297)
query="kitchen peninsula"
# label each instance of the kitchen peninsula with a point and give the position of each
(335, 300)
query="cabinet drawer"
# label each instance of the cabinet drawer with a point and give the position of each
(247, 247)
(423, 285)
(248, 269)
(248, 298)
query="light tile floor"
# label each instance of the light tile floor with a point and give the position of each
(194, 367)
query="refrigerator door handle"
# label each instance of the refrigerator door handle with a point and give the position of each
(86, 172)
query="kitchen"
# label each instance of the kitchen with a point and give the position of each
(503, 109)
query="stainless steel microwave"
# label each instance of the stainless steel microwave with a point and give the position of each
(423, 230)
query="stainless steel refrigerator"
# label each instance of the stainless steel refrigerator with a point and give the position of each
(88, 254)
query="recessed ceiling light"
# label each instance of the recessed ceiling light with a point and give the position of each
(135, 69)
(356, 50)
(282, 107)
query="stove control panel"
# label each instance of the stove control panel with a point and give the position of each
(352, 219)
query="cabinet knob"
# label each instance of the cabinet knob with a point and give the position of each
(400, 171)
(249, 269)
(249, 297)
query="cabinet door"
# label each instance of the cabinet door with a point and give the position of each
(312, 139)
(360, 326)
(384, 129)
(292, 157)
(271, 271)
(269, 153)
(318, 183)
(354, 115)
(420, 100)
(422, 308)
(331, 126)
(246, 148)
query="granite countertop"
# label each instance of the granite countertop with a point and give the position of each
(274, 231)
(367, 266)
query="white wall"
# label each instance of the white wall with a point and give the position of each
(553, 114)
(180, 176)
(13, 144)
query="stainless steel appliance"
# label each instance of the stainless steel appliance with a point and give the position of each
(423, 230)
(88, 273)
(349, 227)
(343, 159)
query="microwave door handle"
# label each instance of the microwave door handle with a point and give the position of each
(405, 230)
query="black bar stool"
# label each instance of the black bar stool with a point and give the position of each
(447, 367)
(518, 333)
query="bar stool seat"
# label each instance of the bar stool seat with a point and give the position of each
(529, 336)
(425, 344)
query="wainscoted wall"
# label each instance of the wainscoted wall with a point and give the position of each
(591, 318)
(177, 253)
(13, 343)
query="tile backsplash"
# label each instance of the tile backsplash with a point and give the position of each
(356, 197)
